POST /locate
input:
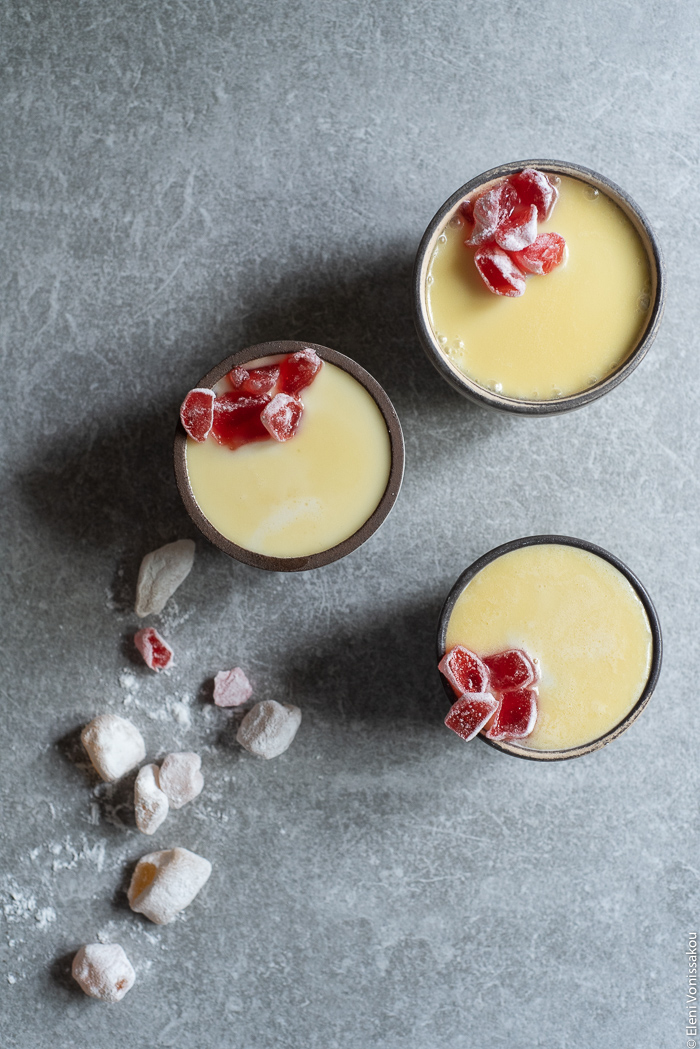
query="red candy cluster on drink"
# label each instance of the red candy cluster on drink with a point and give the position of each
(262, 404)
(497, 693)
(504, 231)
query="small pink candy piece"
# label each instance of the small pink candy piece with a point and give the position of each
(197, 413)
(464, 670)
(254, 381)
(157, 653)
(298, 370)
(516, 715)
(511, 669)
(519, 230)
(498, 271)
(490, 210)
(231, 688)
(541, 257)
(533, 187)
(281, 417)
(470, 713)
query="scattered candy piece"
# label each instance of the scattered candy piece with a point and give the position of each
(164, 883)
(498, 271)
(545, 252)
(157, 653)
(533, 187)
(160, 575)
(298, 370)
(114, 746)
(511, 669)
(516, 715)
(103, 971)
(282, 416)
(490, 210)
(150, 803)
(254, 381)
(464, 671)
(268, 728)
(518, 230)
(180, 778)
(231, 688)
(470, 713)
(237, 420)
(197, 413)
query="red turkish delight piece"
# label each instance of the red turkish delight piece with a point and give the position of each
(545, 252)
(516, 715)
(237, 420)
(533, 187)
(511, 669)
(254, 381)
(518, 230)
(298, 370)
(498, 271)
(464, 670)
(470, 713)
(197, 413)
(490, 210)
(157, 653)
(282, 416)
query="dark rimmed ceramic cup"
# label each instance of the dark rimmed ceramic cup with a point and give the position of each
(591, 548)
(489, 398)
(334, 553)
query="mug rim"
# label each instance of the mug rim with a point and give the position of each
(368, 528)
(655, 626)
(554, 406)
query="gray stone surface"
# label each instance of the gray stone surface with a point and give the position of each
(180, 179)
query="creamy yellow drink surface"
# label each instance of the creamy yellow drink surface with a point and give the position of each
(309, 493)
(580, 618)
(570, 328)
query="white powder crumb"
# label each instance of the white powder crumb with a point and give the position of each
(108, 932)
(181, 714)
(45, 916)
(11, 978)
(94, 817)
(74, 854)
(128, 681)
(20, 906)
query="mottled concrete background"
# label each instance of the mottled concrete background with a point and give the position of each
(180, 179)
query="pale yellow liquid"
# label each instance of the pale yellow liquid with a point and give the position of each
(307, 494)
(570, 329)
(580, 618)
